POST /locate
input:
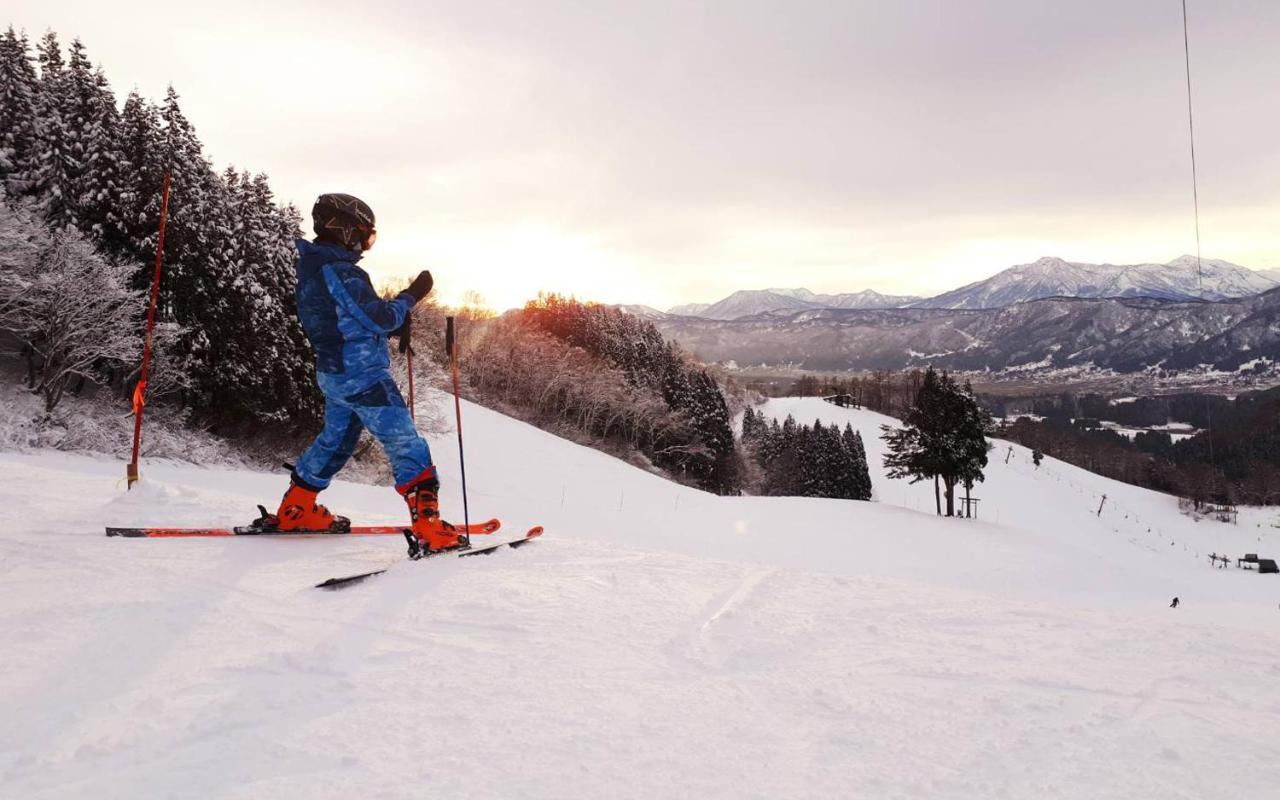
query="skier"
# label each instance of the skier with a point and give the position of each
(348, 324)
(1174, 604)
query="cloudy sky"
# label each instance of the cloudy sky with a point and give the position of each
(664, 152)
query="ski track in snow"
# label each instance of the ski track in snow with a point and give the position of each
(657, 642)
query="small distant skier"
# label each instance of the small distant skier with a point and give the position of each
(1174, 604)
(348, 324)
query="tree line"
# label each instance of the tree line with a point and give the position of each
(610, 379)
(1234, 458)
(806, 461)
(86, 173)
(883, 391)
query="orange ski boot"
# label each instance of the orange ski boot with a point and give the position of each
(299, 511)
(424, 509)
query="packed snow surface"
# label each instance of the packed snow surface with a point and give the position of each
(657, 642)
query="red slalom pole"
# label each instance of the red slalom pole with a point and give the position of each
(451, 344)
(140, 391)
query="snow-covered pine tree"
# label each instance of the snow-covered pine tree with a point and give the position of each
(838, 464)
(750, 426)
(808, 469)
(19, 133)
(263, 338)
(197, 286)
(142, 151)
(771, 445)
(860, 488)
(56, 164)
(944, 437)
(94, 132)
(973, 424)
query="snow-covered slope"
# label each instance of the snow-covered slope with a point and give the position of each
(658, 642)
(1181, 279)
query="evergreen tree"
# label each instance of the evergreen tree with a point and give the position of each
(944, 438)
(98, 183)
(227, 289)
(772, 444)
(972, 424)
(19, 133)
(860, 479)
(142, 162)
(56, 166)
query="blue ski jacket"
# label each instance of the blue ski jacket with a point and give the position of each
(345, 319)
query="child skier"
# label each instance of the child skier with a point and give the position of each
(348, 324)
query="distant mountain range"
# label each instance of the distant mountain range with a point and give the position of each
(1178, 280)
(1121, 334)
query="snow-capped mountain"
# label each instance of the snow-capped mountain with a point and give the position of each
(749, 302)
(640, 310)
(867, 298)
(688, 309)
(1125, 335)
(1180, 279)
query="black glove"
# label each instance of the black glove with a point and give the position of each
(421, 286)
(405, 334)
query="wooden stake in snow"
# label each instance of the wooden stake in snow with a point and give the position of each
(1100, 505)
(140, 391)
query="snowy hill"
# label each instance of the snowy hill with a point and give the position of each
(1180, 279)
(658, 642)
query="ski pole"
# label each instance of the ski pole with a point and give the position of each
(451, 344)
(412, 414)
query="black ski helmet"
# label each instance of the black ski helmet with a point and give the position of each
(342, 219)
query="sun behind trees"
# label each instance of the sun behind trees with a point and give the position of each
(944, 438)
(605, 378)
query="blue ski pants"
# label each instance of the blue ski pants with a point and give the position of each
(351, 404)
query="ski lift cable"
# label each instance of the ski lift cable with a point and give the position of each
(1191, 131)
(1195, 199)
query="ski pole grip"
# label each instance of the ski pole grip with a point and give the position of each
(448, 335)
